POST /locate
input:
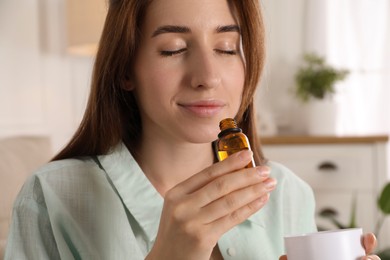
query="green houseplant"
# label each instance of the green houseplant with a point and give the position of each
(316, 79)
(314, 86)
(383, 204)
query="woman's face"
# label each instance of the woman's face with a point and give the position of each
(188, 73)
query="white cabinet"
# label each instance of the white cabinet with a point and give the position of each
(339, 170)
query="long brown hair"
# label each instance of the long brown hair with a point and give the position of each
(112, 114)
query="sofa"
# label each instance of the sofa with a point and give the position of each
(19, 157)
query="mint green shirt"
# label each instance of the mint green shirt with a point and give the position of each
(106, 208)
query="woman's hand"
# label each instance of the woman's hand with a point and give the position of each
(198, 211)
(369, 243)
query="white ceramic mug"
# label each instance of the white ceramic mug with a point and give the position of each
(345, 244)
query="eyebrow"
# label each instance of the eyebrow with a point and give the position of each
(171, 29)
(228, 28)
(185, 29)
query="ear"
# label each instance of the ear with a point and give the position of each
(128, 85)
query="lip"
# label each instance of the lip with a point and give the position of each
(203, 108)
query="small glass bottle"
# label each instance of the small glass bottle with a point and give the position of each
(231, 139)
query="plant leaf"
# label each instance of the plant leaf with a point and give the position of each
(384, 200)
(328, 213)
(352, 221)
(337, 223)
(316, 79)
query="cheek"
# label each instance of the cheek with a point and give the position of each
(154, 86)
(241, 79)
(233, 70)
(149, 75)
(236, 87)
(235, 82)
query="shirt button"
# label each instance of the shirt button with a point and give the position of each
(231, 251)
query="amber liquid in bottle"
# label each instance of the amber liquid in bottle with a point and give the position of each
(231, 139)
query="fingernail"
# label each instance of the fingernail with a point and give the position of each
(264, 198)
(270, 184)
(263, 171)
(245, 155)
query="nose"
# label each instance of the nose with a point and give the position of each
(205, 71)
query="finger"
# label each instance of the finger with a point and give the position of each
(283, 257)
(220, 226)
(228, 183)
(369, 242)
(236, 200)
(234, 162)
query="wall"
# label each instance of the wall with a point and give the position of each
(364, 108)
(284, 30)
(292, 30)
(49, 87)
(42, 90)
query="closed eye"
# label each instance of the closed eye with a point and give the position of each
(227, 52)
(172, 53)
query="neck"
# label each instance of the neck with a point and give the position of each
(166, 164)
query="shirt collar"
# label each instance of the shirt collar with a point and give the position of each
(258, 218)
(137, 193)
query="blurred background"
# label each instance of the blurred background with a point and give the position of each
(47, 52)
(46, 57)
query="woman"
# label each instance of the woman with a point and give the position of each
(139, 178)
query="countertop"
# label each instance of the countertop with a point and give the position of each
(301, 139)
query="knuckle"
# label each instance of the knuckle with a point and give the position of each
(188, 228)
(253, 207)
(230, 202)
(177, 209)
(198, 236)
(178, 213)
(221, 185)
(235, 216)
(170, 196)
(209, 173)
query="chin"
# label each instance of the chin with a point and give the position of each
(202, 137)
(201, 131)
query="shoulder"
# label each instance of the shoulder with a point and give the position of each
(63, 176)
(281, 172)
(288, 181)
(67, 165)
(68, 169)
(295, 198)
(291, 193)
